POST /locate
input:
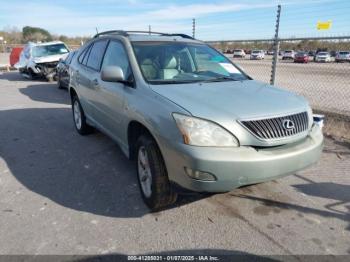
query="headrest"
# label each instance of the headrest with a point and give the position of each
(170, 62)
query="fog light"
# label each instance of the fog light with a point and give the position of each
(318, 120)
(199, 175)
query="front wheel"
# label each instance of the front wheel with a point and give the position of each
(152, 175)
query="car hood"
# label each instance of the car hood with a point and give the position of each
(237, 100)
(48, 59)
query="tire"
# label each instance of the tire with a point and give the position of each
(78, 113)
(152, 175)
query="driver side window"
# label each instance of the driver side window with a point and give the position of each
(116, 56)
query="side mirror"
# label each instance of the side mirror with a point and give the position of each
(112, 74)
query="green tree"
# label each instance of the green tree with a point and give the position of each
(35, 34)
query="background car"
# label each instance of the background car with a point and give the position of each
(257, 55)
(239, 53)
(63, 74)
(40, 59)
(342, 56)
(288, 54)
(301, 57)
(323, 57)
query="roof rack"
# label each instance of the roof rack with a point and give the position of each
(127, 33)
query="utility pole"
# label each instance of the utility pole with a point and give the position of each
(276, 44)
(149, 29)
(193, 27)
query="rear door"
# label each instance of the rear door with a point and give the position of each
(90, 76)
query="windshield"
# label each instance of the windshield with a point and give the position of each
(178, 62)
(322, 53)
(288, 52)
(344, 53)
(256, 52)
(47, 50)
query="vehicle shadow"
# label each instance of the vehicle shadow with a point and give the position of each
(46, 155)
(46, 92)
(329, 190)
(17, 76)
(326, 190)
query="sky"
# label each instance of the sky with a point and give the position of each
(215, 20)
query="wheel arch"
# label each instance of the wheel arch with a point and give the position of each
(134, 131)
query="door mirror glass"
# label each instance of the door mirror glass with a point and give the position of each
(112, 74)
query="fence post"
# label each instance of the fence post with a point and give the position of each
(275, 47)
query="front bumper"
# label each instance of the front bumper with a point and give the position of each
(235, 167)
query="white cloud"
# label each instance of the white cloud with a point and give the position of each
(60, 19)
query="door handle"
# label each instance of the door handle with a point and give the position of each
(95, 83)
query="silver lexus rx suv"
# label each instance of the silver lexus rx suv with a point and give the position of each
(190, 118)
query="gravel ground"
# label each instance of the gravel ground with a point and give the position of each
(61, 193)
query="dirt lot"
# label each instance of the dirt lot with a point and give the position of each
(61, 193)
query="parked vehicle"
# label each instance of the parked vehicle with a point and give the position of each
(190, 118)
(301, 57)
(333, 53)
(288, 54)
(312, 53)
(63, 74)
(342, 56)
(14, 56)
(270, 52)
(323, 57)
(41, 59)
(257, 55)
(239, 53)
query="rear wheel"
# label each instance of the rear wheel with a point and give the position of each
(79, 118)
(152, 175)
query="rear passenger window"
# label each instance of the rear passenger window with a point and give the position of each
(86, 56)
(96, 54)
(82, 55)
(116, 56)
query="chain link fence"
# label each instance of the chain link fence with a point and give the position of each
(317, 68)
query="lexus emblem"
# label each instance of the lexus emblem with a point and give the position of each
(288, 124)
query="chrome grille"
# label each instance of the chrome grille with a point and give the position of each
(277, 128)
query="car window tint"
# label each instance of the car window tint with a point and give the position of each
(72, 54)
(68, 58)
(82, 55)
(116, 56)
(96, 54)
(86, 56)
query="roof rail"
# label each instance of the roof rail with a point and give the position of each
(181, 35)
(117, 32)
(127, 33)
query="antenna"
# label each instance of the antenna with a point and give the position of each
(96, 30)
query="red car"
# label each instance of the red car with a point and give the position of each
(14, 56)
(301, 57)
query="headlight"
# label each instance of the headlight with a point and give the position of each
(199, 132)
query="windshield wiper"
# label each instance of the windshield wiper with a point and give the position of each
(166, 82)
(220, 79)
